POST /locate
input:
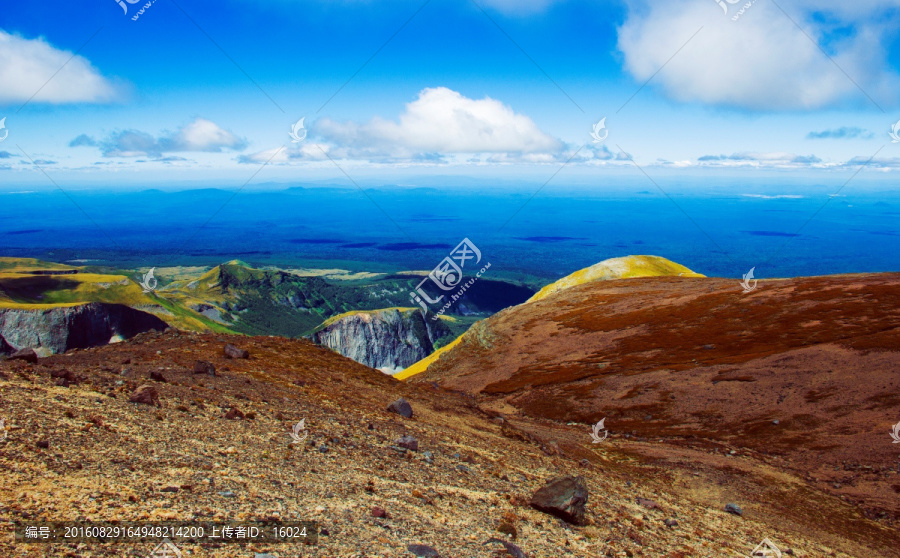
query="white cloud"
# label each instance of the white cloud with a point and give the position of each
(201, 135)
(443, 121)
(762, 60)
(26, 65)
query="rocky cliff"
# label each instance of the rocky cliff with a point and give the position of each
(389, 339)
(59, 329)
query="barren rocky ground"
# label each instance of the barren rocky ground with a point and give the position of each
(77, 448)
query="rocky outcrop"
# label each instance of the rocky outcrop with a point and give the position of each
(57, 330)
(389, 340)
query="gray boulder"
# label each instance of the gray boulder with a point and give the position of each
(564, 498)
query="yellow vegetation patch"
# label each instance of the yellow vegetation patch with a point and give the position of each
(423, 364)
(618, 268)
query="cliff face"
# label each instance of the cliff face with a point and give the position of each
(57, 330)
(389, 340)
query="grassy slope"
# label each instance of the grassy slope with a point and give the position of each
(23, 290)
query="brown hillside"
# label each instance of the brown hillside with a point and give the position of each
(799, 377)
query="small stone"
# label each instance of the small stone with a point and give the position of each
(323, 449)
(776, 422)
(43, 444)
(649, 504)
(401, 407)
(511, 549)
(28, 355)
(170, 489)
(226, 494)
(145, 395)
(564, 497)
(398, 449)
(157, 376)
(429, 457)
(233, 352)
(64, 378)
(234, 414)
(463, 469)
(584, 463)
(671, 523)
(409, 443)
(204, 367)
(734, 509)
(423, 551)
(380, 512)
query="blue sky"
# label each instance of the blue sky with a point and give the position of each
(199, 91)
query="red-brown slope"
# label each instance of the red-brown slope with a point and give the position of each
(805, 370)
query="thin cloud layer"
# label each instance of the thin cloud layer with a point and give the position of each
(201, 135)
(27, 66)
(844, 132)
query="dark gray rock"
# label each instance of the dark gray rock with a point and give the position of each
(204, 367)
(233, 352)
(409, 443)
(511, 549)
(734, 509)
(401, 407)
(145, 395)
(64, 378)
(28, 355)
(564, 498)
(423, 551)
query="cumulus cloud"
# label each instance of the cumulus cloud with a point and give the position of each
(843, 132)
(762, 61)
(201, 135)
(441, 120)
(439, 127)
(26, 65)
